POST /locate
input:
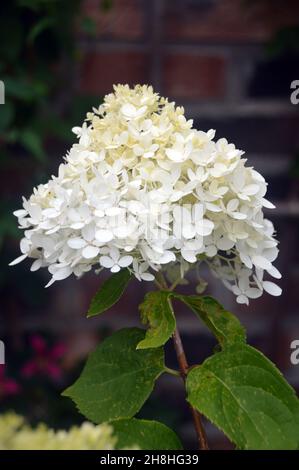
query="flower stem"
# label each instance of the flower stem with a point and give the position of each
(174, 372)
(183, 365)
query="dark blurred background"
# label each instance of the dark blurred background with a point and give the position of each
(231, 64)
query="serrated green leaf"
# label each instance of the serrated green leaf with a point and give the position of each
(117, 379)
(146, 435)
(223, 324)
(156, 311)
(109, 293)
(246, 396)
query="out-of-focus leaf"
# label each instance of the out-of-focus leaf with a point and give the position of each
(39, 27)
(7, 113)
(285, 40)
(36, 5)
(10, 28)
(106, 5)
(32, 143)
(89, 26)
(23, 90)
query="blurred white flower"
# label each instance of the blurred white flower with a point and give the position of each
(142, 189)
(16, 434)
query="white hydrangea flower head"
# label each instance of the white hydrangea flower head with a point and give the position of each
(142, 189)
(16, 434)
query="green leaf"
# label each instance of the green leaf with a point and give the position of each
(21, 89)
(7, 113)
(223, 324)
(157, 311)
(117, 379)
(89, 26)
(147, 435)
(39, 27)
(109, 293)
(32, 143)
(246, 396)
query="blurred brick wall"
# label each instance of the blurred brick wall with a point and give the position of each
(210, 56)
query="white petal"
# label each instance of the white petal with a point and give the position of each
(267, 204)
(62, 273)
(17, 260)
(271, 253)
(204, 227)
(246, 260)
(271, 288)
(238, 215)
(251, 189)
(88, 232)
(213, 207)
(167, 257)
(106, 262)
(76, 243)
(224, 243)
(20, 213)
(242, 299)
(274, 273)
(236, 290)
(211, 251)
(253, 293)
(188, 231)
(99, 213)
(261, 262)
(50, 213)
(174, 155)
(147, 277)
(112, 211)
(232, 205)
(125, 261)
(25, 245)
(121, 232)
(90, 251)
(52, 280)
(188, 255)
(115, 268)
(104, 236)
(128, 110)
(77, 225)
(36, 265)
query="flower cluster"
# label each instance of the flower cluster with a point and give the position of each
(15, 434)
(143, 189)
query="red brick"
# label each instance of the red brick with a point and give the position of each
(229, 20)
(124, 20)
(194, 77)
(99, 71)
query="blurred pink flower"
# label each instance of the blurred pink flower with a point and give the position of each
(46, 360)
(8, 387)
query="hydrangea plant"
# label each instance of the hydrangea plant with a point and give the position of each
(145, 195)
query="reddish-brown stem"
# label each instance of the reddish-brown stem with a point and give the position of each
(183, 364)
